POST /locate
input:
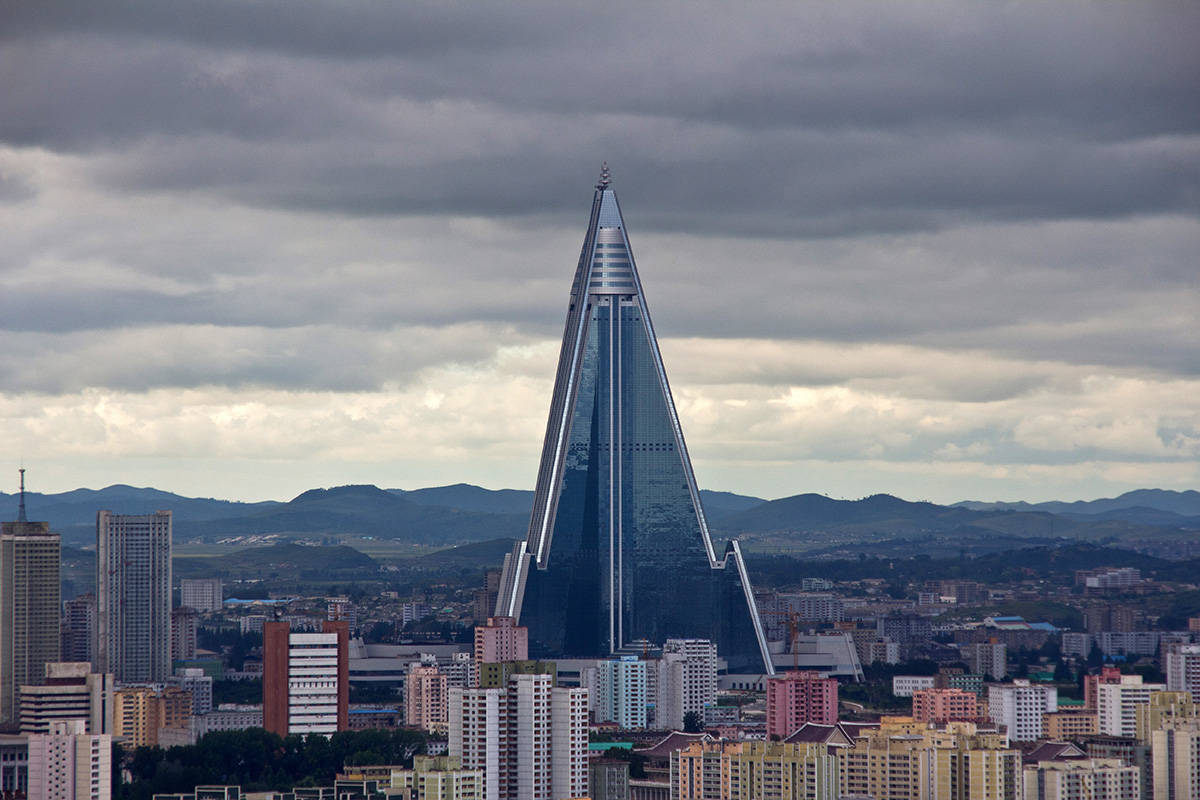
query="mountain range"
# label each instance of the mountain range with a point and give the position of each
(1152, 520)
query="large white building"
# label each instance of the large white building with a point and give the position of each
(306, 685)
(529, 739)
(1116, 704)
(686, 681)
(133, 596)
(619, 692)
(70, 764)
(71, 691)
(1019, 707)
(1183, 669)
(202, 594)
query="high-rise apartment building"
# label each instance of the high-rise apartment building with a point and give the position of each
(754, 770)
(987, 658)
(133, 595)
(529, 738)
(71, 691)
(1165, 708)
(1094, 779)
(306, 678)
(79, 628)
(68, 763)
(1183, 669)
(501, 639)
(1175, 760)
(200, 686)
(202, 594)
(1020, 707)
(141, 712)
(903, 759)
(686, 681)
(620, 692)
(616, 499)
(426, 694)
(1116, 704)
(185, 624)
(30, 561)
(795, 698)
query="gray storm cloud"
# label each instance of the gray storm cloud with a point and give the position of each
(990, 210)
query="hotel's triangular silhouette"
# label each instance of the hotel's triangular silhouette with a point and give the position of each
(618, 552)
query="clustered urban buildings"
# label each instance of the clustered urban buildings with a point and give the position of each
(619, 653)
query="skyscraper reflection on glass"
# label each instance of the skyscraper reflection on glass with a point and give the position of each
(618, 550)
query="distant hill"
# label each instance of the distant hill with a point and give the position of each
(1148, 506)
(79, 506)
(466, 497)
(809, 511)
(363, 511)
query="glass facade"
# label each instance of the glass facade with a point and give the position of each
(618, 550)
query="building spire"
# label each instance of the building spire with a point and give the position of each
(21, 507)
(605, 177)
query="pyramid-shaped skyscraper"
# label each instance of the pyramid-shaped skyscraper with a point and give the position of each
(619, 552)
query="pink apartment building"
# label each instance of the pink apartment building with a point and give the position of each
(944, 705)
(795, 698)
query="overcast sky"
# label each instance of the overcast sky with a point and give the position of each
(946, 251)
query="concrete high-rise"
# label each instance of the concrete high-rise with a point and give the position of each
(306, 678)
(79, 628)
(686, 681)
(30, 563)
(1020, 707)
(202, 594)
(530, 738)
(501, 639)
(185, 624)
(620, 692)
(71, 691)
(1183, 669)
(1116, 704)
(425, 698)
(133, 596)
(795, 698)
(618, 549)
(68, 763)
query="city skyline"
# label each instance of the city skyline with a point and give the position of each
(940, 251)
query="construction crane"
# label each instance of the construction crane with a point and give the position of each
(793, 622)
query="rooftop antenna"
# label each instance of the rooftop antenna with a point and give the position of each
(21, 507)
(605, 177)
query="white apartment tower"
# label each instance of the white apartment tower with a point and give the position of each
(1019, 706)
(619, 692)
(687, 681)
(529, 739)
(1116, 704)
(133, 596)
(1183, 669)
(70, 764)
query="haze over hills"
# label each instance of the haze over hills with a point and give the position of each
(1154, 521)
